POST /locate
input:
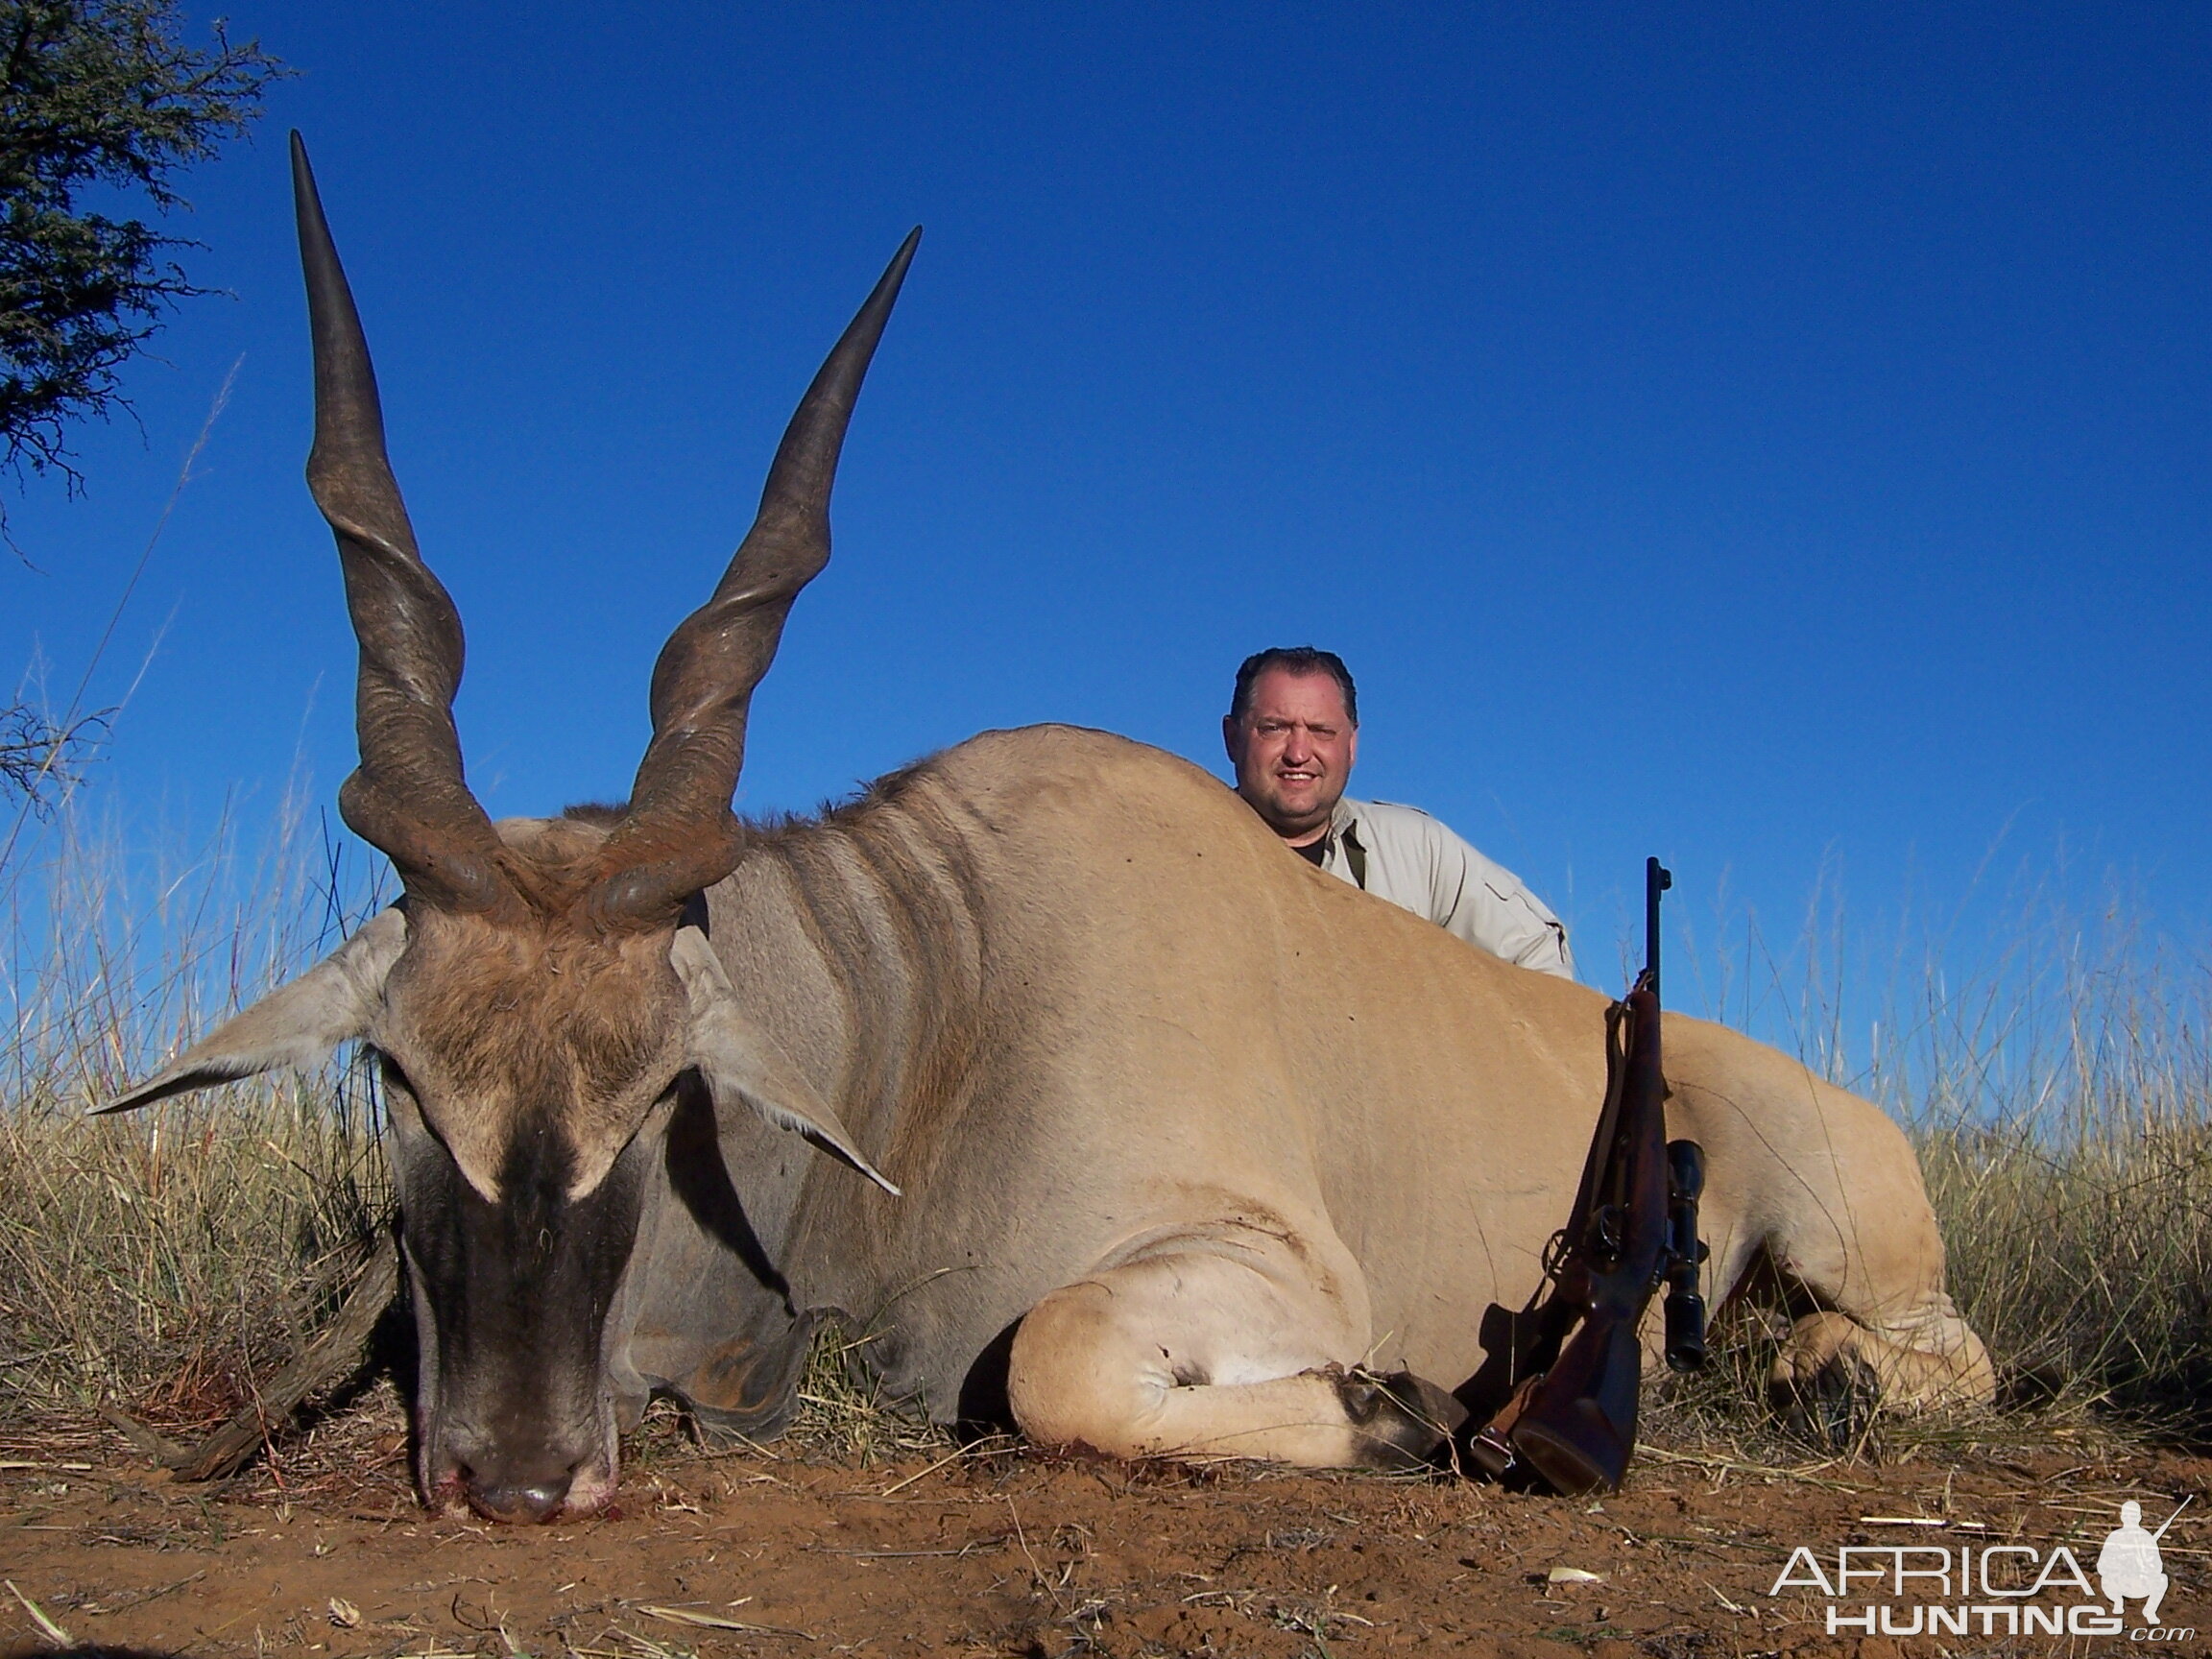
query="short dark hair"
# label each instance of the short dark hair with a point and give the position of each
(1298, 660)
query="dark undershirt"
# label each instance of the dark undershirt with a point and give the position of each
(1314, 852)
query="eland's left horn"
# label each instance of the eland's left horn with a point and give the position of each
(680, 836)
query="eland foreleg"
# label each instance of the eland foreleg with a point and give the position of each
(1229, 1341)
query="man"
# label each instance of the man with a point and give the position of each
(2129, 1563)
(1292, 732)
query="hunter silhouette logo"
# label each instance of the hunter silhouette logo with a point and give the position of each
(1990, 1588)
(2128, 1565)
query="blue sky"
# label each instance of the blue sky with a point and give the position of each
(1772, 437)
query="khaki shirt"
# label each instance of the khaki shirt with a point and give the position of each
(1408, 858)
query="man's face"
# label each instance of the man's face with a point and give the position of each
(1293, 752)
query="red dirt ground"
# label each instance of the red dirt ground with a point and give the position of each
(325, 1552)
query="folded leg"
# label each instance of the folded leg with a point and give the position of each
(1191, 1351)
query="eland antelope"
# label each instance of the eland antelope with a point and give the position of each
(1130, 1125)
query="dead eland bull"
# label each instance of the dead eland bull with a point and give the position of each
(1196, 1149)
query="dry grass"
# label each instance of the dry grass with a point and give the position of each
(2078, 1202)
(2063, 1102)
(2057, 1079)
(844, 1416)
(158, 1262)
(2089, 1258)
(160, 1265)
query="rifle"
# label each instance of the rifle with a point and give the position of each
(2170, 1518)
(1634, 1224)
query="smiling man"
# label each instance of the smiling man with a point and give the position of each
(1292, 732)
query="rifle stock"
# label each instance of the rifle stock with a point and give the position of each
(1579, 1427)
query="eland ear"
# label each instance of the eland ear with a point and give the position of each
(741, 1062)
(299, 1024)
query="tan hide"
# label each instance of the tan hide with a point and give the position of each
(1217, 1127)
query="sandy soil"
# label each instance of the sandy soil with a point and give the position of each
(325, 1552)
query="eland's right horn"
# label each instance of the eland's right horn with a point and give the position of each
(408, 797)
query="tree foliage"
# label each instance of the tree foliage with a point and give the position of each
(99, 98)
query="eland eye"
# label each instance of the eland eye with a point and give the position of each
(393, 1076)
(402, 1100)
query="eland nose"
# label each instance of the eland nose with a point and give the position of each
(517, 1502)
